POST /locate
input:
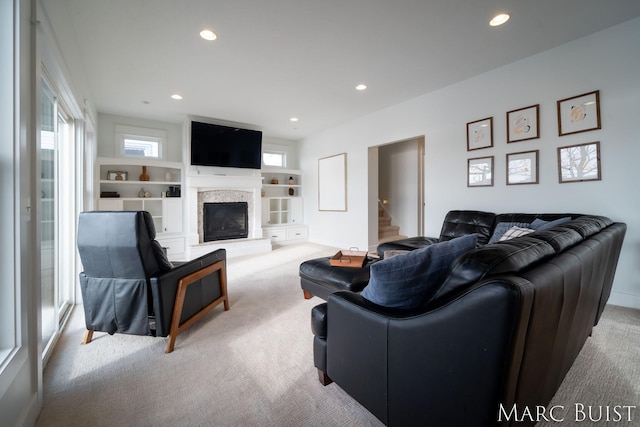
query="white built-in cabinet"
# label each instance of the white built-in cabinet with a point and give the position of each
(282, 219)
(119, 188)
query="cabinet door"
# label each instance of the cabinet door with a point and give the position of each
(174, 246)
(265, 212)
(296, 210)
(172, 215)
(297, 233)
(275, 234)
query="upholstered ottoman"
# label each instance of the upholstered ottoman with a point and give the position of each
(318, 277)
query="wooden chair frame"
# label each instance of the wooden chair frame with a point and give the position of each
(183, 284)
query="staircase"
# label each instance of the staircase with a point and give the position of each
(386, 231)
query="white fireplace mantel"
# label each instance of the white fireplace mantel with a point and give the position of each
(201, 182)
(224, 182)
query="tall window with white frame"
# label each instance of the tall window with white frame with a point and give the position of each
(48, 192)
(56, 213)
(9, 223)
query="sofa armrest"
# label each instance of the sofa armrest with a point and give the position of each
(409, 244)
(319, 320)
(165, 287)
(403, 365)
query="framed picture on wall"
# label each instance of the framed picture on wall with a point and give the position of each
(522, 168)
(480, 172)
(578, 163)
(523, 124)
(480, 134)
(579, 114)
(332, 183)
(117, 176)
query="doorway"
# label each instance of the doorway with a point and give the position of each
(396, 190)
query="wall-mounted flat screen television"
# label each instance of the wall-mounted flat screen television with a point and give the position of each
(225, 146)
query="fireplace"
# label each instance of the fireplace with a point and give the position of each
(225, 220)
(201, 188)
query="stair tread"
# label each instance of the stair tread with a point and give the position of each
(386, 239)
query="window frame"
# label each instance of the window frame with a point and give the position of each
(10, 154)
(125, 132)
(281, 150)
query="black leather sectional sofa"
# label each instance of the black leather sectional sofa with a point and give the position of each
(502, 332)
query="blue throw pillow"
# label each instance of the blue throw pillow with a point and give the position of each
(540, 225)
(409, 280)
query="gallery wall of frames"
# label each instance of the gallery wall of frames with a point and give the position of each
(576, 163)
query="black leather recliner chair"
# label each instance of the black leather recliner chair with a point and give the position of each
(129, 286)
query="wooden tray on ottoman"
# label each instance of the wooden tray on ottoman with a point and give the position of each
(348, 259)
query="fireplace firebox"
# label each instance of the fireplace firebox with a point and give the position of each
(225, 220)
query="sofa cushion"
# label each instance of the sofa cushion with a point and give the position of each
(409, 280)
(560, 238)
(502, 228)
(586, 225)
(530, 217)
(460, 223)
(508, 257)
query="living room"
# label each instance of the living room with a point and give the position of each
(604, 61)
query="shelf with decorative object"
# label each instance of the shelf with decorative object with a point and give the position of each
(144, 184)
(281, 182)
(282, 219)
(282, 205)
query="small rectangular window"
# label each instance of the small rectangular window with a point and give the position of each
(137, 147)
(273, 159)
(140, 142)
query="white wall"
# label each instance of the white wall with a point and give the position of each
(607, 61)
(172, 151)
(286, 144)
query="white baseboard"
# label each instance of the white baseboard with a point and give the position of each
(624, 299)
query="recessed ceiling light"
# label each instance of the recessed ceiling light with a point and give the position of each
(176, 96)
(499, 19)
(208, 35)
(294, 119)
(361, 86)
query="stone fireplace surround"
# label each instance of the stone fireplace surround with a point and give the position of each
(204, 187)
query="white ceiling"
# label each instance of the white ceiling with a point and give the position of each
(275, 59)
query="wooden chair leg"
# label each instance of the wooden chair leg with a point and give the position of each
(88, 335)
(307, 294)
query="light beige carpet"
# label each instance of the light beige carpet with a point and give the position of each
(253, 365)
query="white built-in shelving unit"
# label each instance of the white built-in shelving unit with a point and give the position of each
(282, 219)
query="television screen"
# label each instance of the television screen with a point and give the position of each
(217, 145)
